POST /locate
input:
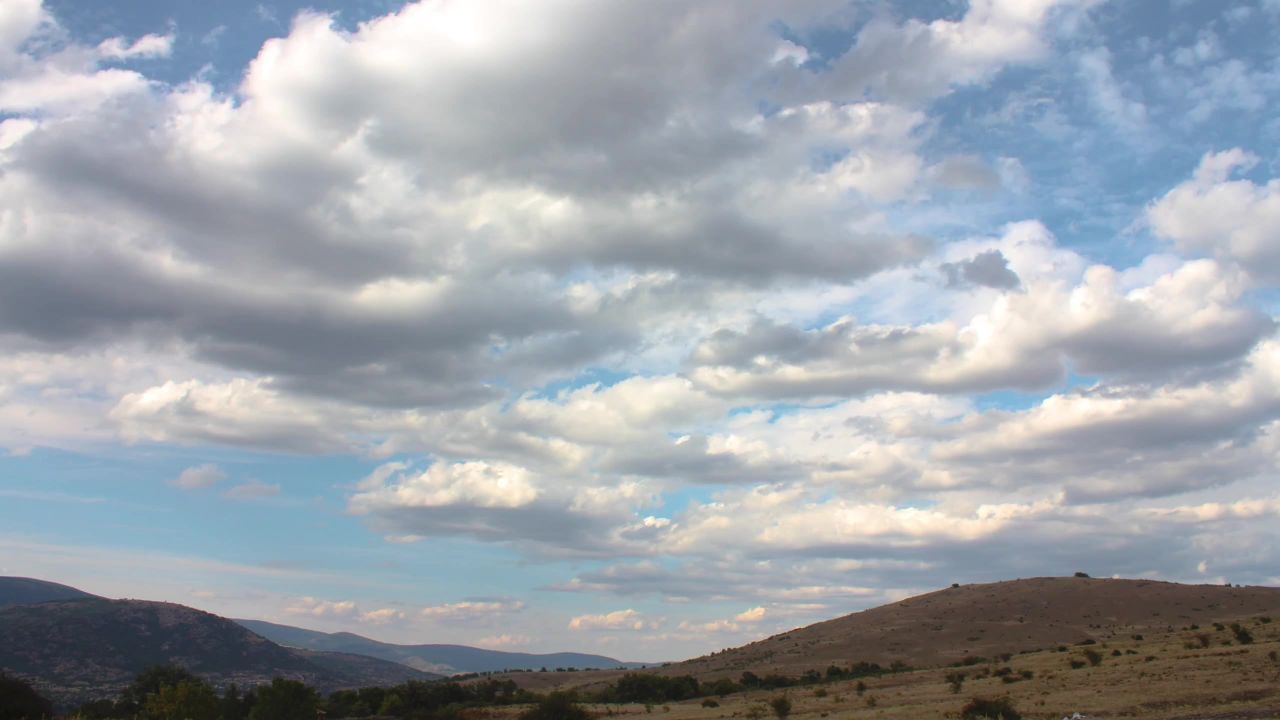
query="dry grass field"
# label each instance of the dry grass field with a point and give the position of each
(1103, 648)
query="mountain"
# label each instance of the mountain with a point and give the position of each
(77, 650)
(449, 659)
(988, 620)
(25, 591)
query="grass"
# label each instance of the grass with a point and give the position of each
(1155, 677)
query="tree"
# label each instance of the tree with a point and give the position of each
(285, 699)
(149, 682)
(20, 701)
(188, 700)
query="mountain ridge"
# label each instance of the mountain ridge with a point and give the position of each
(432, 657)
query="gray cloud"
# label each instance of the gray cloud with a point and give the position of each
(987, 269)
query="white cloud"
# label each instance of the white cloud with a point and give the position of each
(617, 620)
(147, 46)
(322, 608)
(200, 476)
(1234, 220)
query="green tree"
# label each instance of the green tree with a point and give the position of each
(20, 701)
(147, 683)
(556, 706)
(285, 699)
(188, 700)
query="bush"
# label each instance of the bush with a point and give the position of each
(20, 701)
(1082, 574)
(955, 680)
(1077, 664)
(1242, 636)
(989, 709)
(710, 703)
(781, 706)
(557, 706)
(1094, 658)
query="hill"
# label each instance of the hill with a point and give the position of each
(448, 659)
(76, 650)
(986, 620)
(25, 591)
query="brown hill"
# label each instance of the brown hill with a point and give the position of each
(949, 625)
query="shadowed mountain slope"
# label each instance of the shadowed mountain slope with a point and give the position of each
(25, 591)
(76, 650)
(432, 658)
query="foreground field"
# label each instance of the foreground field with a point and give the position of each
(1176, 673)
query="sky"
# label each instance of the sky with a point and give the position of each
(645, 329)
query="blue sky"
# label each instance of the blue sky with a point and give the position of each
(583, 326)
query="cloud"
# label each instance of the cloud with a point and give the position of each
(988, 269)
(505, 640)
(617, 620)
(147, 46)
(471, 610)
(322, 608)
(1233, 220)
(200, 476)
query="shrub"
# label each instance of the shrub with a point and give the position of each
(1242, 636)
(955, 680)
(861, 687)
(781, 706)
(989, 709)
(1077, 664)
(1082, 574)
(1204, 639)
(1273, 656)
(1093, 657)
(820, 692)
(1265, 620)
(710, 703)
(556, 706)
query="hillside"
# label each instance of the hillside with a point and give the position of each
(82, 649)
(942, 627)
(448, 659)
(25, 591)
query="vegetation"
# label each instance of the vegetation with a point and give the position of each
(989, 709)
(20, 701)
(557, 706)
(781, 706)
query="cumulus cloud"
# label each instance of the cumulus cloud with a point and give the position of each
(200, 476)
(1234, 220)
(683, 293)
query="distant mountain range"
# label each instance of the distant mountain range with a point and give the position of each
(448, 659)
(75, 650)
(76, 646)
(25, 591)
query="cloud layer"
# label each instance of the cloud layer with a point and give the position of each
(677, 300)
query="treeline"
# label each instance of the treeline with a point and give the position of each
(650, 688)
(172, 693)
